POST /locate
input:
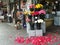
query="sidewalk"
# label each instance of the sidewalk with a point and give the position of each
(11, 24)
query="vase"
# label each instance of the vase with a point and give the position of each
(32, 26)
(38, 26)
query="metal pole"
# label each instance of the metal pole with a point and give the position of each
(15, 10)
(19, 3)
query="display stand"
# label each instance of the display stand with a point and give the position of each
(39, 32)
(36, 32)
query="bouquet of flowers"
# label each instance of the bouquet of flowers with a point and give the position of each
(42, 14)
(38, 7)
(26, 12)
(37, 13)
(32, 7)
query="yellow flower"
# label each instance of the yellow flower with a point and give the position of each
(25, 12)
(39, 6)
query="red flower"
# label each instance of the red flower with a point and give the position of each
(39, 40)
(27, 40)
(32, 6)
(35, 13)
(19, 40)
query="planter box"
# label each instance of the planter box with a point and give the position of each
(32, 33)
(35, 33)
(49, 22)
(39, 32)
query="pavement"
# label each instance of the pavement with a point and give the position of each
(7, 31)
(11, 24)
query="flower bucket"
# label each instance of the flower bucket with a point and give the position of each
(32, 26)
(58, 13)
(47, 16)
(38, 26)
